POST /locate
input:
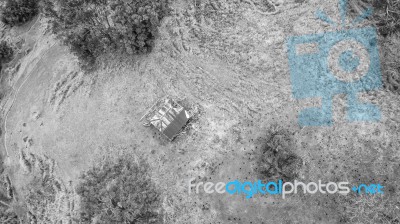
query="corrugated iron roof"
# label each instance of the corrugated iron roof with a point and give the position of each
(168, 117)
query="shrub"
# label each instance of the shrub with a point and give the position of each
(277, 158)
(118, 192)
(387, 18)
(7, 215)
(386, 14)
(95, 27)
(17, 12)
(6, 53)
(39, 199)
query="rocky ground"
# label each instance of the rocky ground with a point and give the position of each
(228, 61)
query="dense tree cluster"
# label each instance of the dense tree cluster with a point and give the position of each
(93, 27)
(119, 192)
(17, 12)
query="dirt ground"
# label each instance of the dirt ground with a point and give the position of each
(231, 62)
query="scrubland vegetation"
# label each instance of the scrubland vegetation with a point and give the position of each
(119, 192)
(386, 18)
(6, 53)
(277, 159)
(18, 12)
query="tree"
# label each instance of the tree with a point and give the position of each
(119, 192)
(94, 27)
(17, 12)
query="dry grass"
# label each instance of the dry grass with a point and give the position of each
(372, 209)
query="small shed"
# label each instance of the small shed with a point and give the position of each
(168, 117)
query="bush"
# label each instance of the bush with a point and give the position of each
(386, 14)
(7, 215)
(277, 159)
(6, 53)
(39, 199)
(387, 18)
(95, 27)
(17, 12)
(118, 192)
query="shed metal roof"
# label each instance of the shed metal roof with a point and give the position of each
(168, 117)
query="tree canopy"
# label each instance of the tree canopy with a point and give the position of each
(119, 192)
(94, 27)
(17, 12)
